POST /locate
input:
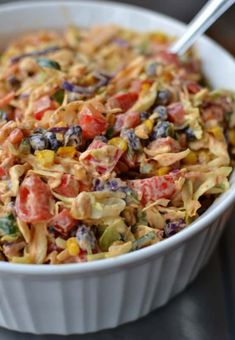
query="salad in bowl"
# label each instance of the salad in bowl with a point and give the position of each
(108, 143)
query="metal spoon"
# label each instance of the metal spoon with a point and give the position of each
(212, 10)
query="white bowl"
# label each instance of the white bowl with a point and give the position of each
(81, 298)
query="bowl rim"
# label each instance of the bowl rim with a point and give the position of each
(142, 255)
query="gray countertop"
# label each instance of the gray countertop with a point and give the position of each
(206, 309)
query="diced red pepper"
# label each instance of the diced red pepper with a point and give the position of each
(33, 200)
(63, 222)
(68, 187)
(123, 101)
(127, 120)
(176, 113)
(92, 122)
(151, 189)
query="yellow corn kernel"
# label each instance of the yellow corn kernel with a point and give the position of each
(66, 151)
(143, 130)
(231, 137)
(217, 132)
(191, 158)
(72, 246)
(148, 123)
(45, 157)
(163, 171)
(119, 142)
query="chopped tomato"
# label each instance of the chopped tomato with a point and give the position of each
(92, 122)
(63, 222)
(42, 105)
(7, 99)
(193, 87)
(176, 113)
(68, 187)
(127, 120)
(151, 189)
(16, 136)
(123, 101)
(33, 200)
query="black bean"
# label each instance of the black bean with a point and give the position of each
(133, 141)
(53, 142)
(144, 115)
(38, 142)
(164, 97)
(86, 238)
(98, 185)
(162, 130)
(161, 111)
(73, 136)
(190, 134)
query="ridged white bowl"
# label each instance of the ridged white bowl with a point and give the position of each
(81, 298)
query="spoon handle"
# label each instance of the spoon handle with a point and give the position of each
(212, 10)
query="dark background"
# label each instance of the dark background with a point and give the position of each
(223, 31)
(206, 309)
